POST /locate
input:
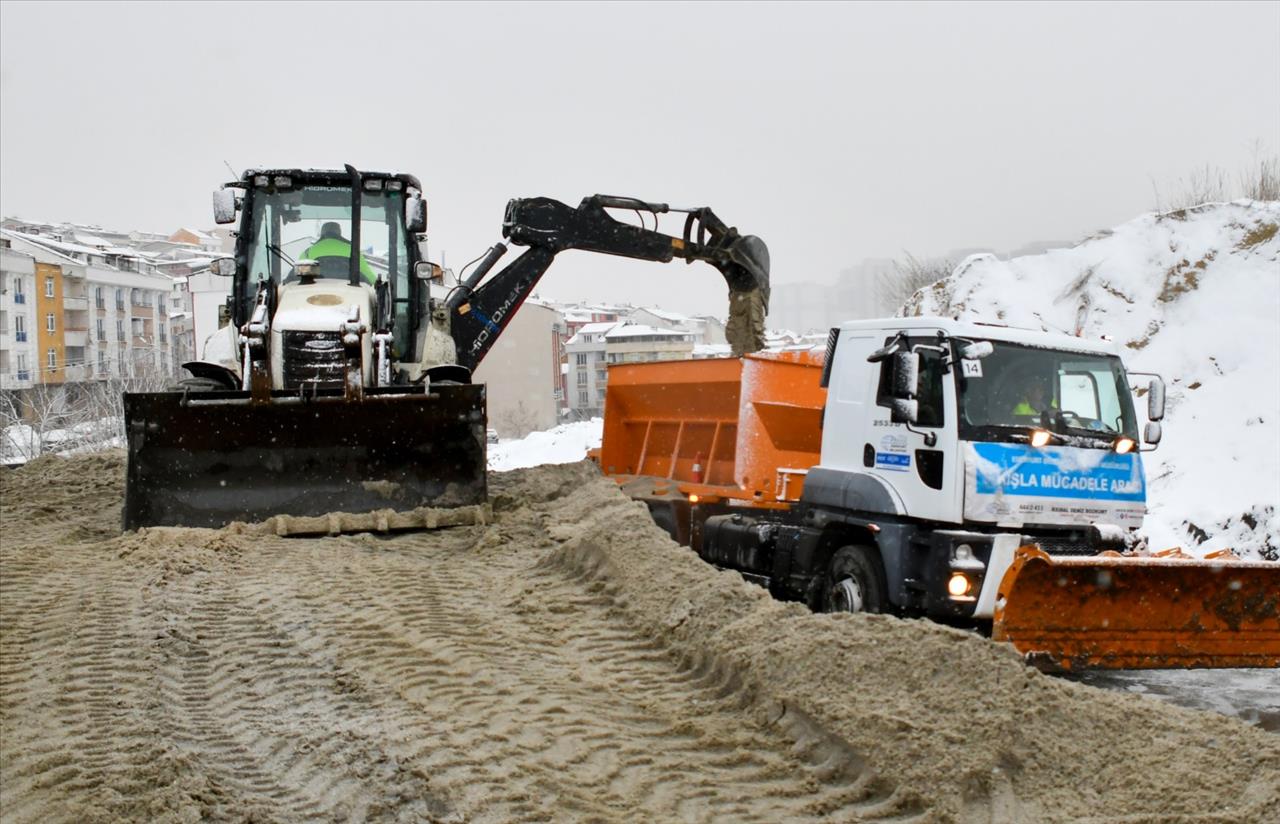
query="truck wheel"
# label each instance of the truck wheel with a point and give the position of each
(855, 582)
(664, 515)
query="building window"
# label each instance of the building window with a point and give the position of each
(48, 287)
(119, 330)
(160, 303)
(23, 374)
(122, 363)
(163, 337)
(19, 294)
(50, 324)
(583, 398)
(102, 330)
(20, 328)
(601, 376)
(581, 358)
(137, 327)
(582, 377)
(599, 357)
(119, 299)
(98, 299)
(53, 359)
(102, 362)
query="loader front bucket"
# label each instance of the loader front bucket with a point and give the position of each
(206, 459)
(1132, 612)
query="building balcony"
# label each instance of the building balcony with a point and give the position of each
(75, 304)
(77, 373)
(75, 337)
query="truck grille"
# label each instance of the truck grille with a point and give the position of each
(314, 358)
(1067, 545)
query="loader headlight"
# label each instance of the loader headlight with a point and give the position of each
(1124, 445)
(958, 585)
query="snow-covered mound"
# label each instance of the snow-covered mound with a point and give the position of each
(1194, 295)
(564, 444)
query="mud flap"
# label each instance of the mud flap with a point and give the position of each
(1126, 612)
(206, 459)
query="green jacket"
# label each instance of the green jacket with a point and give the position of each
(337, 247)
(1024, 408)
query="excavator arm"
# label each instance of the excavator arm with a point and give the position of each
(479, 312)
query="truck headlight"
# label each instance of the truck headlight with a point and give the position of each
(958, 585)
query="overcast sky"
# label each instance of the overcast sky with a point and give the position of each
(835, 132)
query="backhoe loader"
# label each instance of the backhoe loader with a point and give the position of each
(338, 396)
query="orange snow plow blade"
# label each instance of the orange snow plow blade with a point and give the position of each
(1133, 612)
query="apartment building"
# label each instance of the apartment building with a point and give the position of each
(17, 318)
(705, 329)
(587, 361)
(84, 313)
(522, 372)
(597, 345)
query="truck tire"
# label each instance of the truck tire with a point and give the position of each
(854, 582)
(664, 515)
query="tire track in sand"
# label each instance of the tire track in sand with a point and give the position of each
(554, 706)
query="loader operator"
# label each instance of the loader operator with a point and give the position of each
(333, 245)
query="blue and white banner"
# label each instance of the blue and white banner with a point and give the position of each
(1017, 484)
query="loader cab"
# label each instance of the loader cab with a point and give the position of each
(288, 216)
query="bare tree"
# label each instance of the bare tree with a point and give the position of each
(519, 420)
(34, 420)
(908, 277)
(1260, 180)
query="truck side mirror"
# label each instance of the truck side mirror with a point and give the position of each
(1155, 402)
(904, 410)
(224, 206)
(906, 375)
(223, 267)
(904, 387)
(1152, 433)
(977, 350)
(415, 213)
(425, 270)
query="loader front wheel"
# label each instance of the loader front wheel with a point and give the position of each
(854, 582)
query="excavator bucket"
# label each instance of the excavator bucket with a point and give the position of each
(206, 459)
(1133, 612)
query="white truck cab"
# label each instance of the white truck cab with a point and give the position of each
(979, 434)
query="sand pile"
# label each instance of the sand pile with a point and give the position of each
(957, 723)
(565, 662)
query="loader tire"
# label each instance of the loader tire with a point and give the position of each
(854, 581)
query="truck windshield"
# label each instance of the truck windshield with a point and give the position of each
(314, 222)
(1071, 393)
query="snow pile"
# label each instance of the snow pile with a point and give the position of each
(22, 442)
(567, 443)
(1193, 295)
